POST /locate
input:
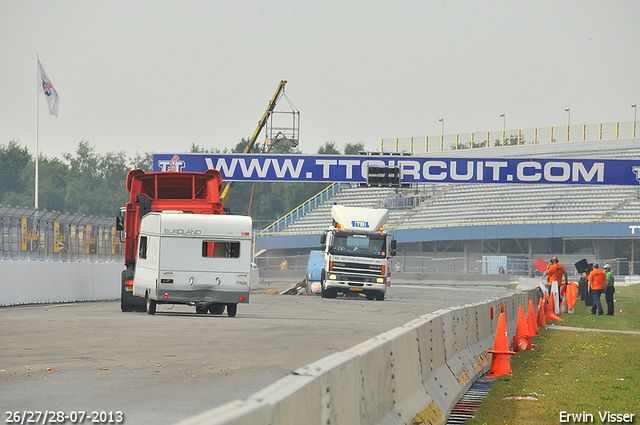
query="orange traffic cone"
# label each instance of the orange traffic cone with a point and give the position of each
(572, 295)
(531, 320)
(500, 361)
(540, 315)
(563, 306)
(551, 315)
(522, 339)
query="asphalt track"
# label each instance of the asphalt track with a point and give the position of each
(164, 368)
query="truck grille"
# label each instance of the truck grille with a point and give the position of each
(363, 269)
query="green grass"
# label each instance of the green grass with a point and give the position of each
(573, 371)
(627, 299)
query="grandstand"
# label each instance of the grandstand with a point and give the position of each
(472, 213)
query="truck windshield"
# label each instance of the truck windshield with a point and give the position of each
(357, 244)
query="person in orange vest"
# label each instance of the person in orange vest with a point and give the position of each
(555, 271)
(596, 285)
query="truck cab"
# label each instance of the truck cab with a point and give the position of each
(356, 253)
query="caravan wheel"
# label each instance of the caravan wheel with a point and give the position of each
(151, 304)
(216, 308)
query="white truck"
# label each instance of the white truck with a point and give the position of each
(203, 260)
(356, 251)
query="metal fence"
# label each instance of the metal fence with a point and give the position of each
(31, 234)
(521, 136)
(482, 264)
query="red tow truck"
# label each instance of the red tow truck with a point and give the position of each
(189, 192)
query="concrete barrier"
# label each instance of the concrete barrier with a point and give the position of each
(415, 373)
(33, 282)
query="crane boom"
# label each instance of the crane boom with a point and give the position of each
(256, 133)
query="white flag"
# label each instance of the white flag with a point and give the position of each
(49, 90)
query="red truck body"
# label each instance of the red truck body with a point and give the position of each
(197, 193)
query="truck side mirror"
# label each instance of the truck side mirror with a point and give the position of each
(119, 223)
(323, 239)
(393, 247)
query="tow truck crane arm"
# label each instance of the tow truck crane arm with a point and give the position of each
(252, 141)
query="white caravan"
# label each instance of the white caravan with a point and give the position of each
(202, 260)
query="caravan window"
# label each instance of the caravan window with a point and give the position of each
(142, 249)
(220, 249)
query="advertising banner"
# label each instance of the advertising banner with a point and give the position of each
(29, 235)
(354, 169)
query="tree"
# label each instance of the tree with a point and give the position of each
(511, 140)
(13, 159)
(143, 161)
(52, 185)
(353, 148)
(96, 183)
(329, 148)
(86, 182)
(242, 144)
(198, 149)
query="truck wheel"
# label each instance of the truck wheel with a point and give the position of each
(201, 310)
(124, 305)
(380, 296)
(151, 304)
(232, 309)
(216, 308)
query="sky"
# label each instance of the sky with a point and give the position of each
(159, 76)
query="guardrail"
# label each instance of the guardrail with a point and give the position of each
(31, 234)
(463, 224)
(524, 136)
(411, 374)
(302, 209)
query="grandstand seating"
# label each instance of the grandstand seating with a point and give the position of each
(443, 204)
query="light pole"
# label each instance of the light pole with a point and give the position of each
(568, 121)
(504, 126)
(635, 111)
(442, 135)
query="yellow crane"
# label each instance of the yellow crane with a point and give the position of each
(263, 121)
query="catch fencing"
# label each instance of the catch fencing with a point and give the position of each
(474, 264)
(40, 235)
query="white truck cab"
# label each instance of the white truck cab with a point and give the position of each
(356, 252)
(202, 260)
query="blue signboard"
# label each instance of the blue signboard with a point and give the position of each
(354, 169)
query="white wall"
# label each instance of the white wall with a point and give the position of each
(30, 282)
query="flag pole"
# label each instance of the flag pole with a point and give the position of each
(37, 125)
